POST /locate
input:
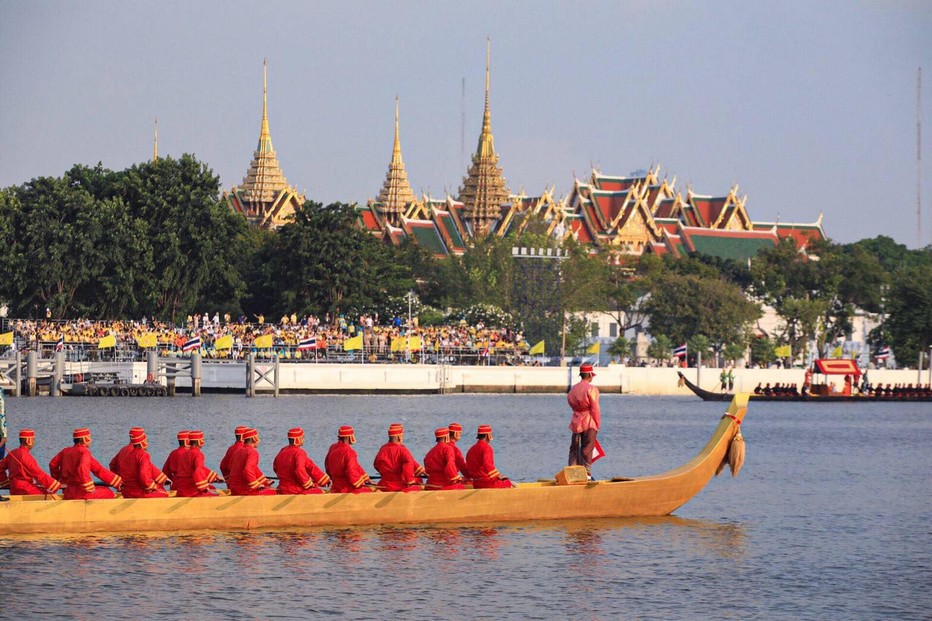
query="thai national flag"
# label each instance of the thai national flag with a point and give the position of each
(680, 351)
(308, 343)
(60, 345)
(884, 353)
(191, 344)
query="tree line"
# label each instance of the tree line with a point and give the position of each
(157, 240)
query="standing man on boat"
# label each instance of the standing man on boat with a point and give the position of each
(480, 460)
(342, 465)
(456, 432)
(74, 465)
(583, 399)
(396, 464)
(440, 463)
(237, 444)
(137, 470)
(297, 473)
(20, 471)
(246, 479)
(202, 476)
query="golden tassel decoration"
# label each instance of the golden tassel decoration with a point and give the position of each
(724, 463)
(736, 454)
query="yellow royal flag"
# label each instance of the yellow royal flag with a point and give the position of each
(106, 342)
(593, 349)
(264, 341)
(6, 338)
(783, 351)
(415, 343)
(537, 349)
(353, 343)
(224, 342)
(146, 340)
(398, 343)
(836, 353)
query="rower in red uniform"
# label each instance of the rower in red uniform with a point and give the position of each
(115, 466)
(297, 473)
(238, 444)
(440, 463)
(396, 464)
(245, 478)
(115, 462)
(20, 471)
(136, 466)
(176, 466)
(74, 465)
(343, 466)
(203, 477)
(456, 432)
(480, 459)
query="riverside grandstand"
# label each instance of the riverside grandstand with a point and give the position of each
(292, 339)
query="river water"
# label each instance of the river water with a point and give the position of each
(831, 518)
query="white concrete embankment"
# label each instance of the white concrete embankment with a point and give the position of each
(401, 378)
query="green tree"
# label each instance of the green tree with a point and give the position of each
(762, 351)
(196, 240)
(909, 323)
(661, 348)
(699, 344)
(733, 351)
(620, 348)
(684, 306)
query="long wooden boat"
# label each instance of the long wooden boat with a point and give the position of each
(655, 495)
(709, 395)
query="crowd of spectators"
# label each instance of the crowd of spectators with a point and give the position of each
(391, 340)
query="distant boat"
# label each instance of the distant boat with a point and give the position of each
(655, 495)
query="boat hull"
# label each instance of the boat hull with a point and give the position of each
(645, 496)
(708, 395)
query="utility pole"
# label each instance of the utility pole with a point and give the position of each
(919, 158)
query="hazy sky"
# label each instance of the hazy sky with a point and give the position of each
(809, 106)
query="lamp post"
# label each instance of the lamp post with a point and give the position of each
(410, 298)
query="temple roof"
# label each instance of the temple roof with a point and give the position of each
(484, 190)
(396, 193)
(260, 196)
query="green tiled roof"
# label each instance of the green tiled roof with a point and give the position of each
(730, 247)
(429, 238)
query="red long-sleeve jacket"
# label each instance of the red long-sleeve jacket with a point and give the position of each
(583, 398)
(20, 470)
(139, 475)
(178, 468)
(228, 459)
(297, 473)
(480, 459)
(343, 467)
(74, 465)
(245, 478)
(398, 468)
(440, 464)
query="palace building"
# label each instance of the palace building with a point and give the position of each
(264, 198)
(447, 226)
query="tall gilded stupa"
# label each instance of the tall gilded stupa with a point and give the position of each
(396, 198)
(484, 192)
(265, 199)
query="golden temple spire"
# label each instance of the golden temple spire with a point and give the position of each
(396, 193)
(155, 144)
(486, 142)
(484, 190)
(265, 136)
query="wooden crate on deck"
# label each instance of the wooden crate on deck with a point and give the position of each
(572, 475)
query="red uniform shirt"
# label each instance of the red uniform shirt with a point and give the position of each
(398, 468)
(228, 457)
(584, 400)
(245, 478)
(138, 480)
(343, 467)
(297, 473)
(480, 459)
(460, 460)
(440, 463)
(74, 465)
(203, 476)
(178, 468)
(25, 476)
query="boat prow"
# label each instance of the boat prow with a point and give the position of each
(654, 495)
